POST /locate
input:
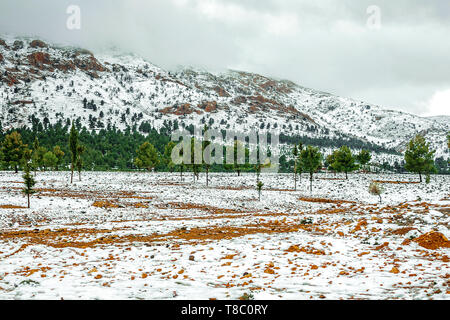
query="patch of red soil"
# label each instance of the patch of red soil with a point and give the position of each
(433, 240)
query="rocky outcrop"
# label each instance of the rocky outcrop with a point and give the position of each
(180, 110)
(221, 92)
(89, 64)
(17, 45)
(39, 59)
(4, 44)
(38, 44)
(208, 106)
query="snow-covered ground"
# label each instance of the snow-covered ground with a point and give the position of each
(151, 236)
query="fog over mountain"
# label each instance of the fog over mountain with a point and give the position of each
(327, 45)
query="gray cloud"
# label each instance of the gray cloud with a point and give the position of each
(319, 44)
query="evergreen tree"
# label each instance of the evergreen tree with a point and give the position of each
(73, 146)
(79, 161)
(38, 158)
(260, 165)
(147, 157)
(49, 160)
(236, 166)
(167, 157)
(13, 150)
(59, 156)
(418, 157)
(310, 160)
(344, 161)
(196, 167)
(363, 157)
(330, 160)
(205, 144)
(29, 183)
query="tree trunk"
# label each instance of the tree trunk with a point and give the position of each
(295, 181)
(207, 170)
(79, 175)
(420, 176)
(346, 176)
(28, 201)
(239, 173)
(310, 182)
(16, 169)
(71, 173)
(380, 197)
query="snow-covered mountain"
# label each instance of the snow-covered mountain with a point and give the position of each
(50, 81)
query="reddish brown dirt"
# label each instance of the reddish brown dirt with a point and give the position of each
(433, 240)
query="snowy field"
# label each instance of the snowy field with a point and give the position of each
(151, 236)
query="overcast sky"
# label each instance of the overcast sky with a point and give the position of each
(326, 44)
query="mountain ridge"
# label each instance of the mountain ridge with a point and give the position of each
(57, 83)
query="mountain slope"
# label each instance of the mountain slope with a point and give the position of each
(58, 83)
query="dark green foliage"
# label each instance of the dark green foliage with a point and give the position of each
(239, 167)
(49, 160)
(344, 161)
(310, 161)
(59, 156)
(79, 161)
(195, 167)
(363, 158)
(73, 144)
(29, 183)
(147, 156)
(419, 158)
(337, 142)
(13, 150)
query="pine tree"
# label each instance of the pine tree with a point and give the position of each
(13, 150)
(59, 156)
(310, 160)
(205, 144)
(295, 154)
(196, 167)
(73, 144)
(236, 166)
(29, 183)
(418, 157)
(49, 160)
(38, 158)
(79, 160)
(331, 159)
(260, 165)
(147, 157)
(167, 157)
(344, 161)
(363, 158)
